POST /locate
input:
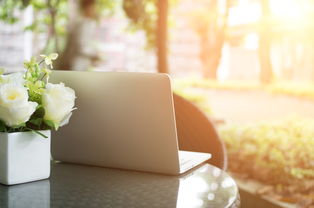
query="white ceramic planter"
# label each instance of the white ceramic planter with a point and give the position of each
(24, 157)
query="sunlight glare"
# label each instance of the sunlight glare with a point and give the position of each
(251, 41)
(288, 10)
(189, 192)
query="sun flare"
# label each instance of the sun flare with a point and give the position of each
(290, 11)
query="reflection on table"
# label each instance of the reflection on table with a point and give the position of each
(84, 186)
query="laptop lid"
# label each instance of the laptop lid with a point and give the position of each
(123, 120)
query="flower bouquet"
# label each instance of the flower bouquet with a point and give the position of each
(30, 107)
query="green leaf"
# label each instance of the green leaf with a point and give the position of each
(37, 132)
(3, 127)
(41, 134)
(25, 3)
(31, 27)
(38, 107)
(36, 121)
(40, 112)
(19, 126)
(2, 70)
(51, 124)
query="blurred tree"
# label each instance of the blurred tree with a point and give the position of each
(143, 16)
(48, 16)
(210, 24)
(53, 16)
(152, 17)
(265, 35)
(162, 36)
(80, 51)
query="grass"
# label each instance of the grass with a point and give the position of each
(212, 84)
(297, 89)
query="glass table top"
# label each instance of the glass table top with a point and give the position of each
(85, 186)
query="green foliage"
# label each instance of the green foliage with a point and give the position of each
(50, 15)
(37, 122)
(51, 18)
(213, 84)
(34, 80)
(277, 152)
(303, 90)
(106, 7)
(3, 127)
(51, 124)
(200, 100)
(7, 8)
(143, 16)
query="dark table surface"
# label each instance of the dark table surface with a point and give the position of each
(84, 186)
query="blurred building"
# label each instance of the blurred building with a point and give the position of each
(122, 50)
(15, 44)
(118, 48)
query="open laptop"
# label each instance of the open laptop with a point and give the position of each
(123, 120)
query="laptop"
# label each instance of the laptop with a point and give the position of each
(123, 120)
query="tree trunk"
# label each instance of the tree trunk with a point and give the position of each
(66, 56)
(212, 41)
(266, 72)
(161, 33)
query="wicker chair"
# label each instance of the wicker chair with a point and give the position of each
(197, 133)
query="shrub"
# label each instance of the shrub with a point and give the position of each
(277, 152)
(198, 99)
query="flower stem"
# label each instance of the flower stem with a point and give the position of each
(37, 132)
(41, 61)
(41, 79)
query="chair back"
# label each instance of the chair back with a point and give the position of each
(197, 133)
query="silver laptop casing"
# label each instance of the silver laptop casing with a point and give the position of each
(123, 120)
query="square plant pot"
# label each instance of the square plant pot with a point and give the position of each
(24, 157)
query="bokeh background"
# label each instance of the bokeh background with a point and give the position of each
(247, 64)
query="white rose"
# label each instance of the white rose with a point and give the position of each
(15, 108)
(58, 102)
(16, 78)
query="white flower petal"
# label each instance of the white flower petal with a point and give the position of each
(58, 102)
(53, 56)
(12, 95)
(13, 116)
(15, 108)
(14, 78)
(48, 61)
(66, 120)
